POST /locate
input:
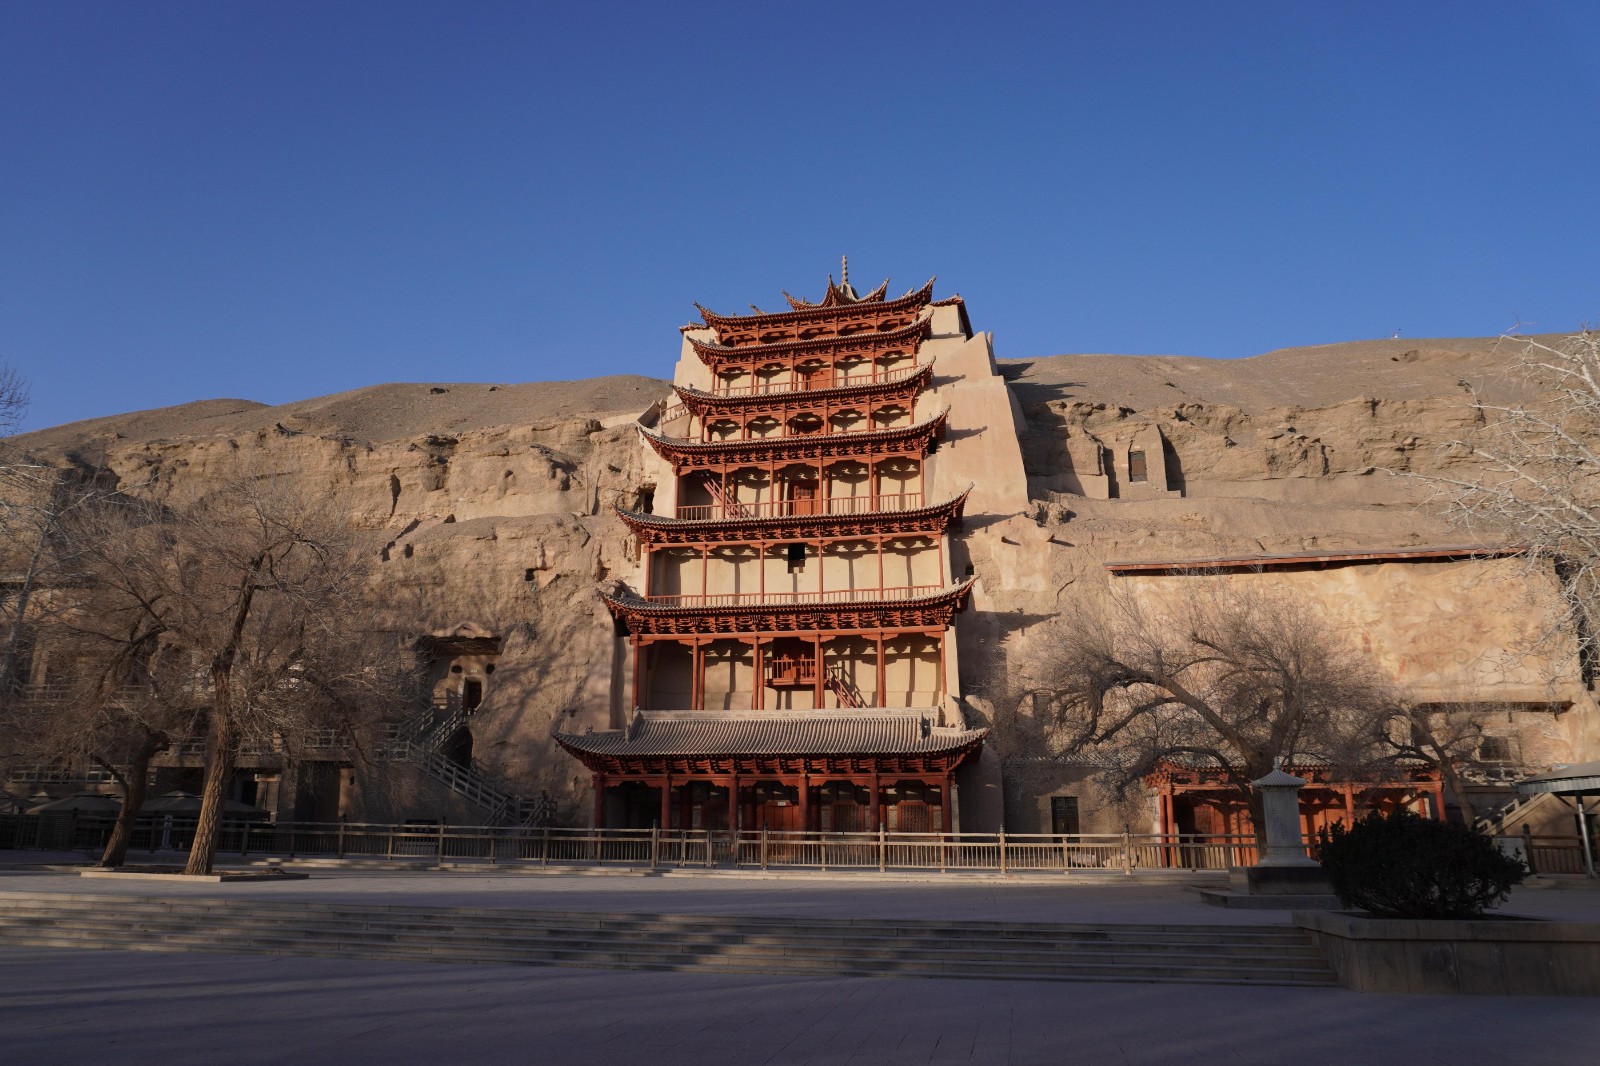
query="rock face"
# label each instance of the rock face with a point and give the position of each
(491, 505)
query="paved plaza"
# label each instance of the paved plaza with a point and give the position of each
(88, 1007)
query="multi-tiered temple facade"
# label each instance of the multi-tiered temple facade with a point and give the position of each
(790, 661)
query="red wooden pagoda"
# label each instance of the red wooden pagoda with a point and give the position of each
(790, 635)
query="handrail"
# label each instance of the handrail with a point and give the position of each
(1090, 854)
(820, 380)
(834, 505)
(738, 599)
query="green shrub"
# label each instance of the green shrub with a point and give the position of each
(1407, 866)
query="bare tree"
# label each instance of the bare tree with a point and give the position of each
(1530, 477)
(256, 598)
(1447, 738)
(13, 399)
(1217, 677)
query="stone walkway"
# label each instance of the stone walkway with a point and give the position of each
(90, 1007)
(85, 1008)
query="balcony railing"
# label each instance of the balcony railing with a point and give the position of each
(750, 599)
(837, 505)
(821, 379)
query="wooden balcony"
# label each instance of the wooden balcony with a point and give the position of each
(837, 505)
(741, 599)
(791, 672)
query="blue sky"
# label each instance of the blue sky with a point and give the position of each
(279, 200)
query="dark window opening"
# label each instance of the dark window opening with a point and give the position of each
(1495, 749)
(456, 669)
(796, 554)
(1064, 816)
(471, 695)
(1136, 467)
(529, 574)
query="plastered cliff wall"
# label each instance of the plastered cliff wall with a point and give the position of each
(491, 505)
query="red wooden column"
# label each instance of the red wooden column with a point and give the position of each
(666, 801)
(805, 802)
(877, 802)
(946, 796)
(1349, 804)
(638, 669)
(733, 803)
(1166, 823)
(696, 677)
(883, 674)
(599, 801)
(816, 670)
(759, 658)
(1438, 800)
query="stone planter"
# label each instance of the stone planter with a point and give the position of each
(1490, 956)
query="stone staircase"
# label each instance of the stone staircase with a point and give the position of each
(421, 747)
(1208, 954)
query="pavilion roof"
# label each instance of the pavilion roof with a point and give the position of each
(833, 302)
(950, 508)
(789, 613)
(914, 377)
(716, 354)
(787, 448)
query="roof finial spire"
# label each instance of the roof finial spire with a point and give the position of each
(844, 271)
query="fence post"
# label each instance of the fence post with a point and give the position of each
(655, 843)
(1127, 849)
(244, 849)
(388, 851)
(440, 860)
(763, 849)
(291, 841)
(881, 848)
(339, 853)
(710, 848)
(1002, 850)
(544, 847)
(1527, 846)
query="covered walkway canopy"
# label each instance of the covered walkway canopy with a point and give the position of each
(1576, 781)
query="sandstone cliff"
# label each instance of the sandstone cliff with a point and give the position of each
(492, 504)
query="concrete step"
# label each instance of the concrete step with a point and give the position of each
(469, 946)
(780, 940)
(1004, 969)
(499, 918)
(1039, 951)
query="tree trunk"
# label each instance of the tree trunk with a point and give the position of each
(219, 767)
(1453, 782)
(135, 783)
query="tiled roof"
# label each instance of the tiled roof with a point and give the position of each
(871, 732)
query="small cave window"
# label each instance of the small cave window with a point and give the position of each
(471, 694)
(456, 669)
(1137, 470)
(1495, 749)
(530, 574)
(796, 555)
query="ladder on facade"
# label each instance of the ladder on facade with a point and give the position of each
(843, 688)
(731, 508)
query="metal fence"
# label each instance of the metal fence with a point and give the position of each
(1114, 853)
